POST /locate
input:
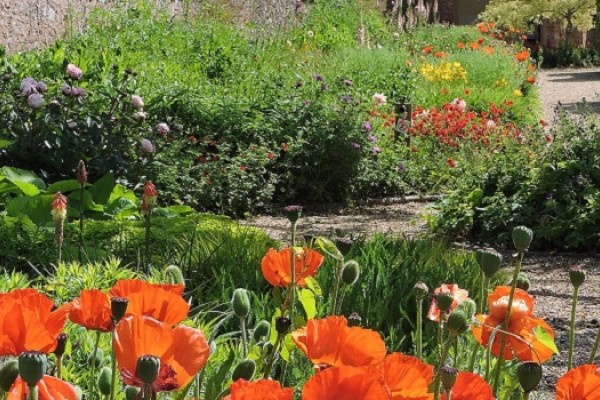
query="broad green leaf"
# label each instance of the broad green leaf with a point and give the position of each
(328, 247)
(88, 202)
(545, 338)
(306, 297)
(287, 348)
(121, 206)
(64, 186)
(5, 143)
(313, 285)
(37, 208)
(20, 175)
(102, 189)
(180, 209)
(120, 191)
(163, 212)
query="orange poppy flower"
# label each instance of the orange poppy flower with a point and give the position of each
(474, 46)
(262, 389)
(531, 67)
(345, 383)
(49, 388)
(459, 296)
(491, 25)
(460, 45)
(531, 79)
(161, 302)
(182, 351)
(92, 311)
(579, 383)
(330, 342)
(276, 265)
(27, 322)
(522, 56)
(469, 386)
(522, 341)
(407, 377)
(482, 28)
(488, 50)
(440, 54)
(427, 49)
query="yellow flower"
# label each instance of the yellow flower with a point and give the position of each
(517, 93)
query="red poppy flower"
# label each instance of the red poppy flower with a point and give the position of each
(531, 79)
(92, 310)
(262, 389)
(522, 56)
(427, 49)
(407, 377)
(182, 351)
(482, 28)
(522, 342)
(474, 46)
(469, 386)
(488, 50)
(276, 265)
(49, 388)
(161, 302)
(581, 383)
(27, 322)
(345, 383)
(330, 342)
(459, 294)
(460, 45)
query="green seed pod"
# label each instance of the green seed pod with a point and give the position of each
(523, 281)
(173, 272)
(147, 368)
(468, 307)
(421, 290)
(282, 325)
(98, 359)
(293, 213)
(444, 300)
(577, 276)
(350, 272)
(489, 260)
(104, 381)
(32, 367)
(522, 237)
(457, 322)
(261, 330)
(241, 303)
(529, 374)
(244, 370)
(8, 374)
(131, 392)
(448, 377)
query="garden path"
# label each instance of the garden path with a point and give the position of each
(569, 88)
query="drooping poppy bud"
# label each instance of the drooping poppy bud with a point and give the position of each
(118, 307)
(444, 300)
(421, 290)
(240, 303)
(457, 322)
(244, 370)
(529, 374)
(350, 272)
(261, 330)
(523, 281)
(32, 367)
(174, 272)
(147, 368)
(131, 392)
(522, 237)
(104, 381)
(8, 374)
(489, 260)
(95, 359)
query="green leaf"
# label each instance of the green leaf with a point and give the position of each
(545, 338)
(287, 348)
(103, 188)
(180, 209)
(28, 182)
(88, 202)
(120, 191)
(328, 247)
(313, 285)
(120, 207)
(37, 208)
(5, 143)
(306, 297)
(64, 186)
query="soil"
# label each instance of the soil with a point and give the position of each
(569, 89)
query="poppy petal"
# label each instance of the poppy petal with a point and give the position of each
(469, 386)
(407, 377)
(92, 310)
(190, 353)
(345, 383)
(262, 389)
(582, 382)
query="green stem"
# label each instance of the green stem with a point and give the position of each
(273, 355)
(484, 287)
(595, 348)
(507, 320)
(147, 391)
(81, 189)
(572, 330)
(33, 393)
(113, 362)
(293, 275)
(440, 331)
(438, 380)
(474, 353)
(244, 337)
(420, 328)
(93, 370)
(148, 257)
(526, 395)
(59, 367)
(481, 293)
(336, 288)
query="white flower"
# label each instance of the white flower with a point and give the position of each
(147, 146)
(459, 103)
(137, 102)
(73, 72)
(379, 98)
(491, 124)
(139, 116)
(162, 128)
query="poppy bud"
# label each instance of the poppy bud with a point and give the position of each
(32, 367)
(489, 260)
(444, 300)
(350, 272)
(147, 368)
(576, 276)
(354, 319)
(344, 245)
(81, 173)
(468, 307)
(104, 381)
(261, 330)
(175, 274)
(523, 281)
(118, 307)
(61, 344)
(241, 303)
(131, 392)
(421, 290)
(529, 374)
(457, 322)
(293, 213)
(282, 325)
(522, 237)
(8, 374)
(244, 370)
(96, 359)
(448, 377)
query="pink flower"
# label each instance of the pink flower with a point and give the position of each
(459, 103)
(73, 72)
(137, 102)
(35, 101)
(147, 146)
(162, 128)
(379, 98)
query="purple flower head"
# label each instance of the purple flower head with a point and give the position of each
(298, 85)
(35, 101)
(346, 99)
(41, 87)
(66, 89)
(347, 82)
(27, 82)
(147, 146)
(162, 128)
(73, 72)
(318, 78)
(355, 146)
(402, 168)
(77, 92)
(372, 138)
(367, 127)
(324, 87)
(375, 150)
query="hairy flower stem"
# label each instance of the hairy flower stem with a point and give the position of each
(572, 327)
(33, 393)
(113, 366)
(59, 367)
(474, 353)
(485, 283)
(147, 391)
(93, 370)
(273, 355)
(336, 288)
(442, 362)
(440, 332)
(595, 348)
(81, 189)
(507, 320)
(293, 274)
(419, 333)
(244, 337)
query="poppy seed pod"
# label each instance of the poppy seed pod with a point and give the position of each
(261, 330)
(8, 374)
(61, 344)
(175, 274)
(354, 319)
(489, 260)
(241, 303)
(522, 237)
(282, 325)
(457, 322)
(350, 272)
(523, 281)
(244, 370)
(131, 392)
(293, 213)
(448, 377)
(577, 276)
(147, 368)
(444, 300)
(96, 359)
(118, 307)
(529, 374)
(104, 381)
(421, 290)
(468, 307)
(32, 367)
